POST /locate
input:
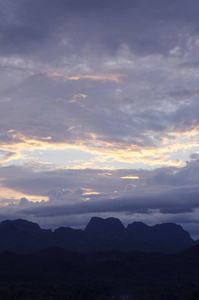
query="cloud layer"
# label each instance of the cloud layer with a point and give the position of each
(71, 196)
(91, 88)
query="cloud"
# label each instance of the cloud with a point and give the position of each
(111, 86)
(157, 187)
(145, 129)
(159, 195)
(186, 176)
(31, 180)
(10, 156)
(24, 202)
(194, 156)
(100, 77)
(175, 201)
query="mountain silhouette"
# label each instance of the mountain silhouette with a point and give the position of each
(103, 261)
(22, 236)
(104, 227)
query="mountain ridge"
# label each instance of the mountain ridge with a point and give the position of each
(22, 236)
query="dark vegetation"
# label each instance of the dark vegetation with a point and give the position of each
(56, 273)
(59, 273)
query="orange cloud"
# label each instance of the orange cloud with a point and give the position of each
(74, 99)
(130, 177)
(11, 156)
(99, 77)
(110, 151)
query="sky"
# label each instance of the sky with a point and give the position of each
(99, 111)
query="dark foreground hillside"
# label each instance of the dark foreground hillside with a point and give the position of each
(56, 273)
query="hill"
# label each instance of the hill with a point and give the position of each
(57, 273)
(22, 236)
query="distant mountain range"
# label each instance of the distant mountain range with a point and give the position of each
(109, 234)
(104, 261)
